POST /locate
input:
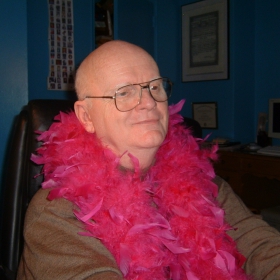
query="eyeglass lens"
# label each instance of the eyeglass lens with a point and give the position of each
(128, 97)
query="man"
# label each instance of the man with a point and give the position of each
(143, 132)
(128, 193)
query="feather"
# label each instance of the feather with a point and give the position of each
(161, 225)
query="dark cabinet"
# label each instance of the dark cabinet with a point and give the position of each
(255, 178)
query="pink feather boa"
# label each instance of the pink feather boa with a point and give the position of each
(165, 224)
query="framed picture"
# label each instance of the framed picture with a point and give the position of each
(205, 41)
(206, 114)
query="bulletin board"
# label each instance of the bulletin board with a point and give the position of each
(61, 45)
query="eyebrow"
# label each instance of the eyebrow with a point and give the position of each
(130, 84)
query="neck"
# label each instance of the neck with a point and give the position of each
(145, 158)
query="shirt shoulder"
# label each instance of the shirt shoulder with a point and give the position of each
(53, 232)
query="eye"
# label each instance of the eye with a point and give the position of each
(154, 87)
(126, 92)
(122, 94)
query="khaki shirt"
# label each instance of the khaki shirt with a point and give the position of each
(54, 249)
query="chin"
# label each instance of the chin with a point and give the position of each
(152, 140)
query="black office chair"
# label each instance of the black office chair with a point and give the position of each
(20, 180)
(194, 127)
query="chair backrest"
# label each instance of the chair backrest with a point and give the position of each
(20, 181)
(194, 126)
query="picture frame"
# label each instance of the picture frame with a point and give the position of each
(205, 113)
(205, 41)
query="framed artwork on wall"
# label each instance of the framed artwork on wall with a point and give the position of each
(206, 114)
(205, 41)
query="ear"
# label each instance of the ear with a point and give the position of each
(81, 111)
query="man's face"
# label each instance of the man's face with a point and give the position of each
(139, 130)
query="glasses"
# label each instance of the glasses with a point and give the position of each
(129, 96)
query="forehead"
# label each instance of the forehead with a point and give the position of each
(116, 65)
(130, 71)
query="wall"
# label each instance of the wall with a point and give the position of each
(24, 56)
(234, 96)
(267, 49)
(254, 60)
(38, 63)
(267, 41)
(242, 70)
(13, 67)
(168, 41)
(135, 23)
(254, 65)
(157, 27)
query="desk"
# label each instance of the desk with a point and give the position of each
(255, 178)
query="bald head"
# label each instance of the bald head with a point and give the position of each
(139, 131)
(105, 61)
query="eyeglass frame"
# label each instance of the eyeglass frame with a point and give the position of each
(140, 95)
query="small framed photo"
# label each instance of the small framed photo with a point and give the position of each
(205, 113)
(205, 41)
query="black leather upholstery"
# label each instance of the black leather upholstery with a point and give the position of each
(21, 183)
(194, 127)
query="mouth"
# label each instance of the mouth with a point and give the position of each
(150, 121)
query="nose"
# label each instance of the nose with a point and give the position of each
(146, 100)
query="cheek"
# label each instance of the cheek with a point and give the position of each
(165, 116)
(115, 122)
(103, 116)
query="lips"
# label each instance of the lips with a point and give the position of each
(150, 121)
